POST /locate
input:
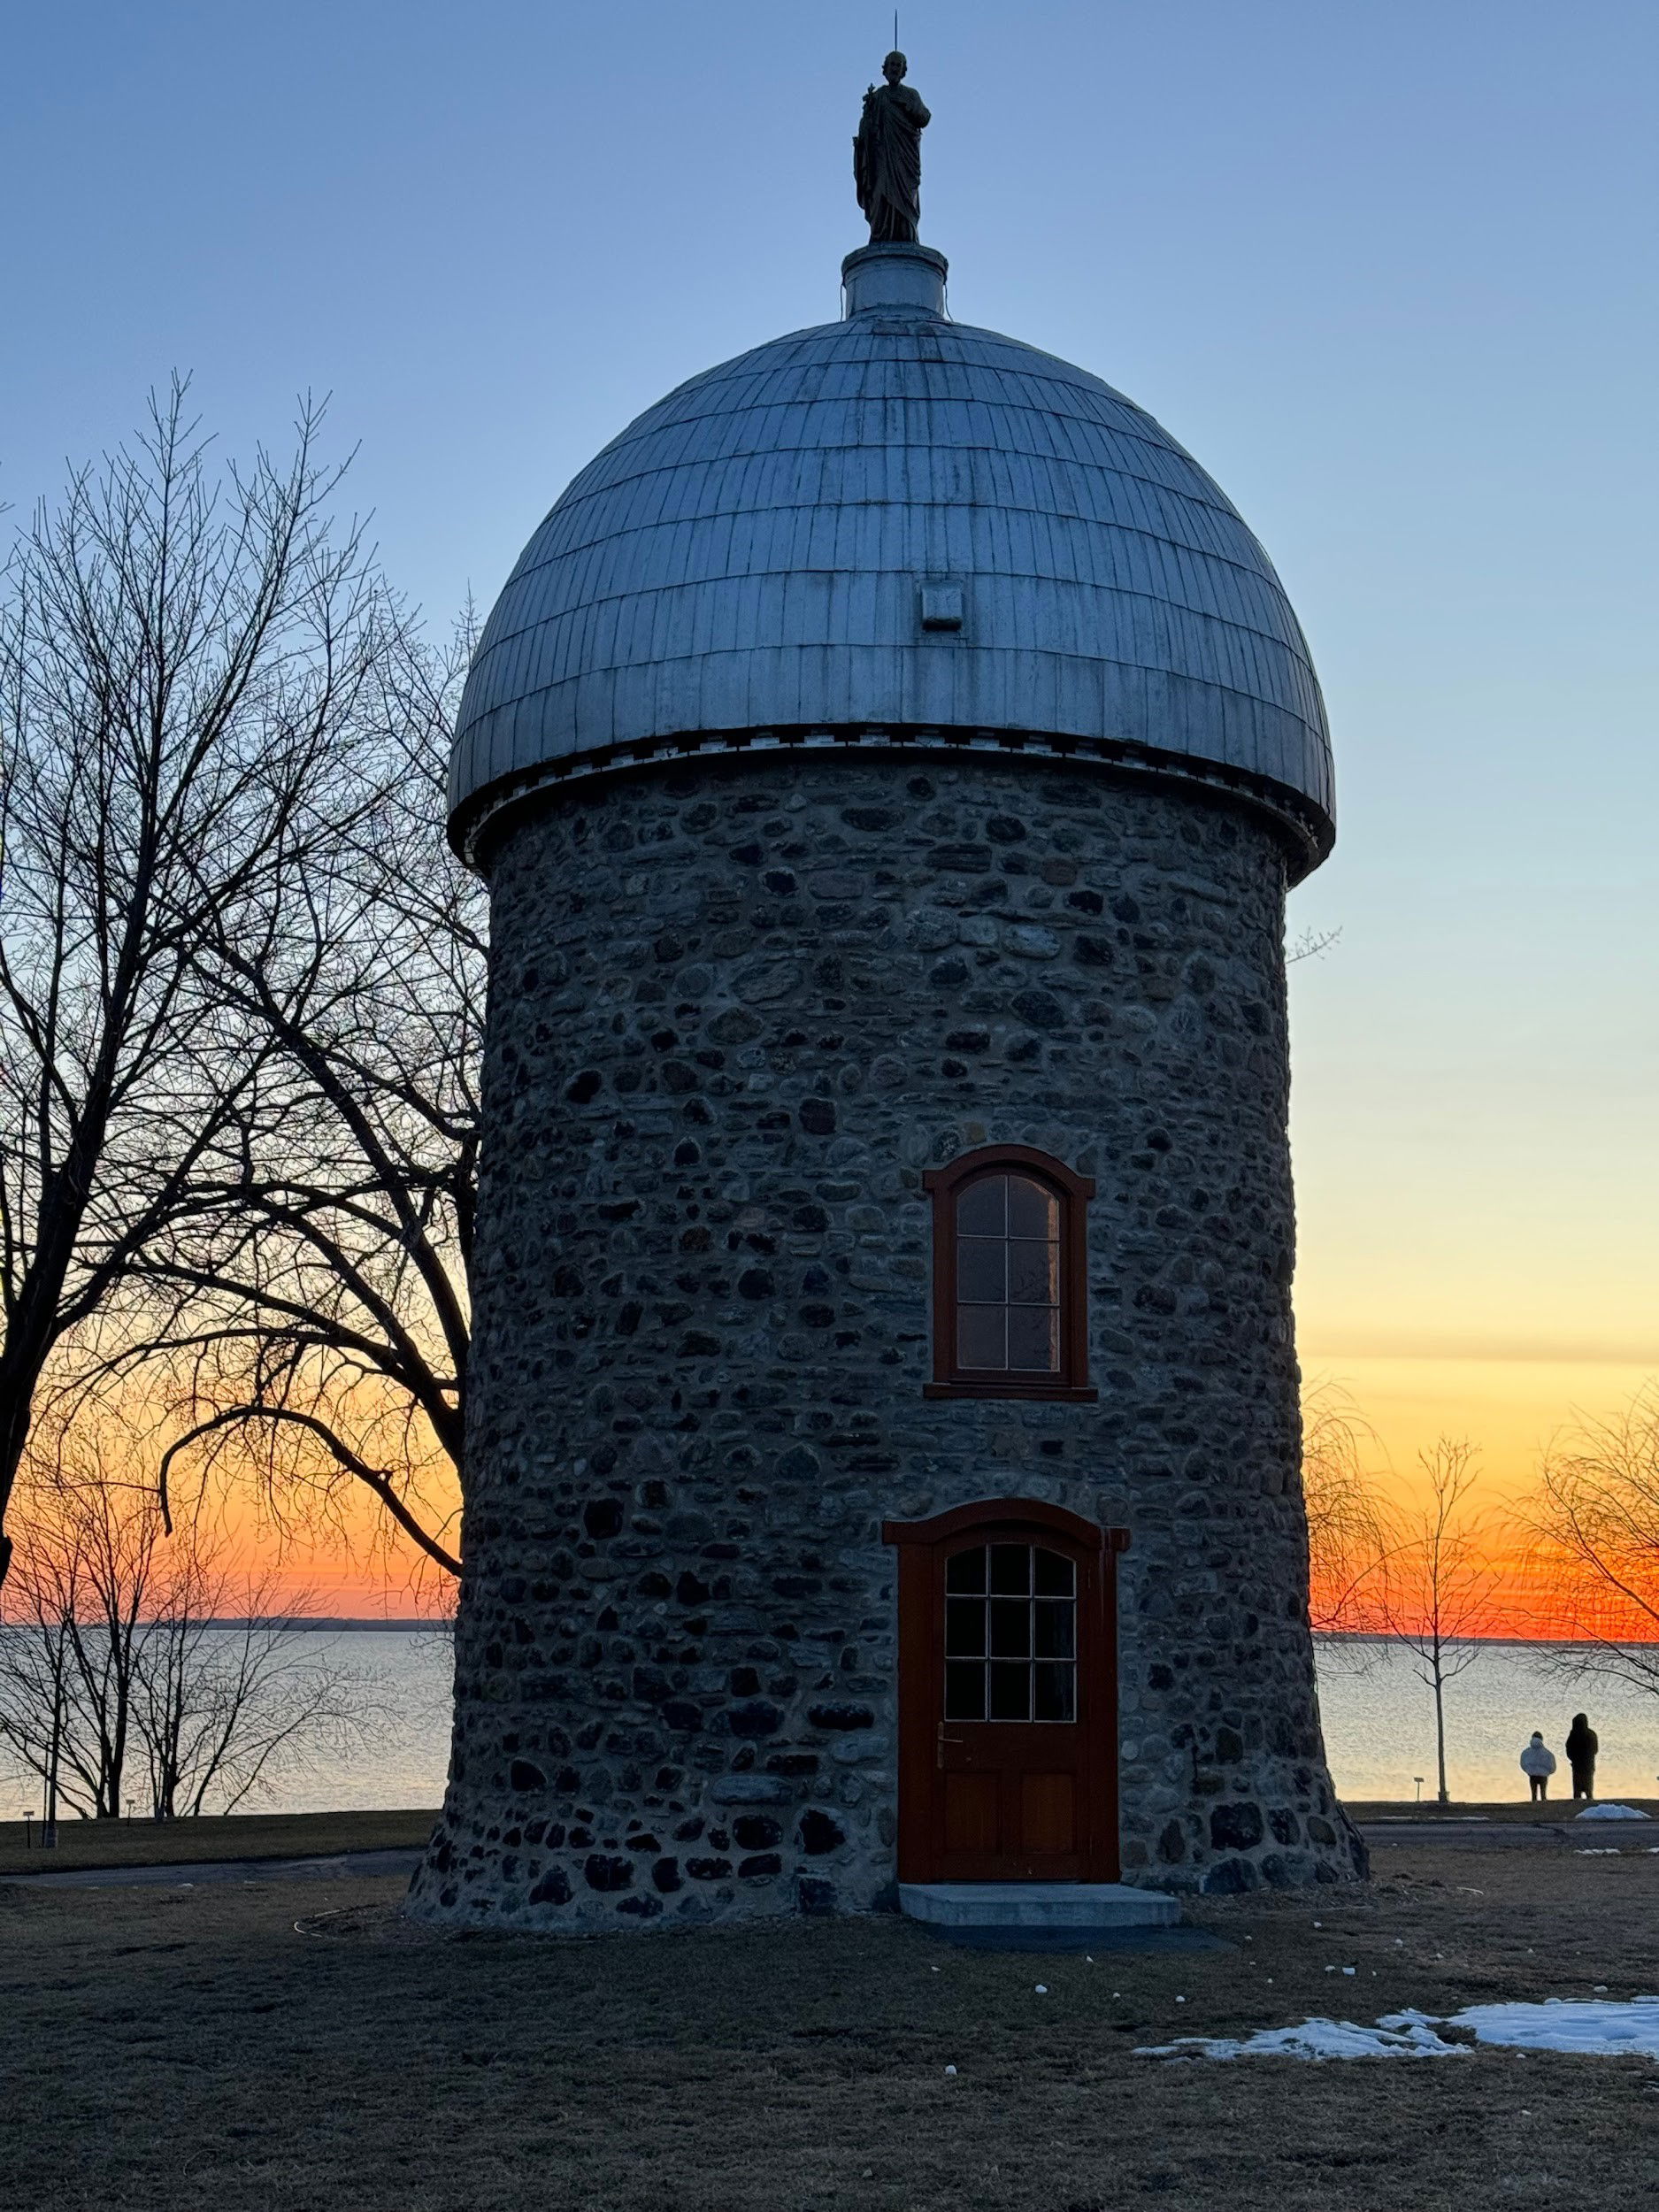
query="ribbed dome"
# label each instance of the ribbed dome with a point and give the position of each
(751, 554)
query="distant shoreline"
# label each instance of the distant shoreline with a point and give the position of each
(348, 1624)
(328, 1624)
(351, 1625)
(1486, 1643)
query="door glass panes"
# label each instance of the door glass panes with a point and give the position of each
(1010, 1635)
(1008, 1276)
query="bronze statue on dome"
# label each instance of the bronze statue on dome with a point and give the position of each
(887, 157)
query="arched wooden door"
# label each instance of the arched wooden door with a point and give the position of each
(1008, 1695)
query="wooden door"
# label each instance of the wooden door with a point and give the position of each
(1008, 1695)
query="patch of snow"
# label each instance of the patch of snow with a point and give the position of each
(1612, 2028)
(1610, 1812)
(1608, 2028)
(1314, 2039)
(1600, 1851)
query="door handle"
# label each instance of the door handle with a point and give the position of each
(943, 1741)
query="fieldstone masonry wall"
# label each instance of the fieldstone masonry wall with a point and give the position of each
(736, 1010)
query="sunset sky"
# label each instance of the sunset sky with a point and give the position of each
(1390, 277)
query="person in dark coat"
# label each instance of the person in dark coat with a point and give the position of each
(1583, 1743)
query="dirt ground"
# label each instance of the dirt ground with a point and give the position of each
(238, 1836)
(188, 2048)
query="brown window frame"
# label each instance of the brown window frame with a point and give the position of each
(944, 1185)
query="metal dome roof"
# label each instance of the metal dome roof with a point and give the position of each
(895, 529)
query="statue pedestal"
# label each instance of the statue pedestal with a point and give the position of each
(879, 278)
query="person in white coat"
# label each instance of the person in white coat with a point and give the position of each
(1538, 1764)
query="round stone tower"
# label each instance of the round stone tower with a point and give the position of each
(887, 760)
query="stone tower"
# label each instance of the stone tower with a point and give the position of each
(888, 760)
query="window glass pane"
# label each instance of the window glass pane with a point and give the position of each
(1033, 1271)
(1033, 1338)
(1029, 1672)
(966, 1569)
(982, 1336)
(1052, 1628)
(1055, 1576)
(982, 1208)
(1032, 1211)
(964, 1689)
(1055, 1691)
(1011, 1570)
(1008, 1256)
(1010, 1690)
(1010, 1628)
(964, 1629)
(982, 1270)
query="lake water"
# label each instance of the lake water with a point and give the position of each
(1378, 1722)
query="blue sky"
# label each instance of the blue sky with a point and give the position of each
(1386, 269)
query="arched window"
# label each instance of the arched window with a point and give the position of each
(1010, 1295)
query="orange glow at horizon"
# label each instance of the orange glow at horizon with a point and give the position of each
(1513, 1411)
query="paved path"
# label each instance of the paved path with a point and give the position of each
(342, 1867)
(1474, 1835)
(1468, 1835)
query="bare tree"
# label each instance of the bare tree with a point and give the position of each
(223, 1703)
(1437, 1592)
(68, 1660)
(1595, 1515)
(1350, 1531)
(183, 653)
(310, 1290)
(118, 1648)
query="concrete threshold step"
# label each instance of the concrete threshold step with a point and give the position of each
(1046, 1907)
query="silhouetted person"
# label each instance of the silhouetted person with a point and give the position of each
(1583, 1743)
(1538, 1764)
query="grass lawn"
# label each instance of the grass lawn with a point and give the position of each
(239, 1836)
(190, 2049)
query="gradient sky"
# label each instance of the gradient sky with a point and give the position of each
(1388, 270)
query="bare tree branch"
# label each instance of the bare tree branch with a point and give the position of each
(311, 1283)
(185, 658)
(1351, 1533)
(1595, 1517)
